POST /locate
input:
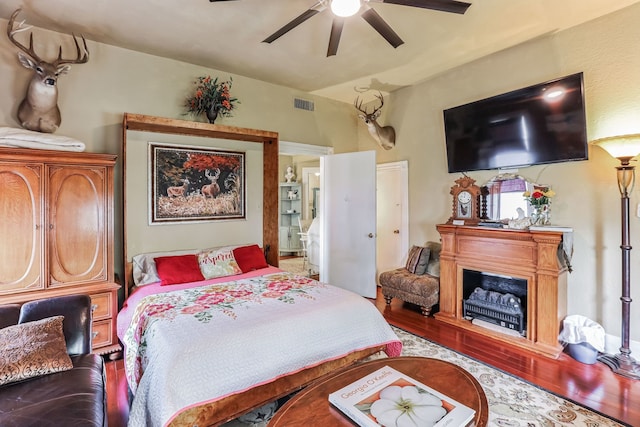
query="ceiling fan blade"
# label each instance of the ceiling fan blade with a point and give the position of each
(294, 23)
(336, 32)
(381, 26)
(452, 6)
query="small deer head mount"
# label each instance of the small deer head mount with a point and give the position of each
(39, 110)
(385, 136)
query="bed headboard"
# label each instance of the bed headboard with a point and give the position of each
(128, 274)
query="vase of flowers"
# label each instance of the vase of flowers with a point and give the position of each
(540, 201)
(211, 98)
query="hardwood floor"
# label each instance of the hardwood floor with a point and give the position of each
(594, 386)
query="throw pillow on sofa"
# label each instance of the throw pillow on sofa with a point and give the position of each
(32, 349)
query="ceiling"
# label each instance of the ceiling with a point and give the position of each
(227, 36)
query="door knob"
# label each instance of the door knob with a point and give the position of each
(396, 231)
(370, 235)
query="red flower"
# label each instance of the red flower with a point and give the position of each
(210, 93)
(207, 300)
(279, 286)
(158, 308)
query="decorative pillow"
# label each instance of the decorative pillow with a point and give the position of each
(250, 258)
(433, 268)
(413, 258)
(32, 349)
(178, 269)
(144, 265)
(218, 263)
(423, 262)
(418, 260)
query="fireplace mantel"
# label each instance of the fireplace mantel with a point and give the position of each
(526, 254)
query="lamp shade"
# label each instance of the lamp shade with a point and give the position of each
(621, 147)
(345, 8)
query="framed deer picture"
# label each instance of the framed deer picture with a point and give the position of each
(195, 184)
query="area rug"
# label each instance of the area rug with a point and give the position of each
(512, 402)
(294, 265)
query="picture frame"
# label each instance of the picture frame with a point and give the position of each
(195, 184)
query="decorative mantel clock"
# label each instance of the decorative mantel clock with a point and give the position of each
(466, 196)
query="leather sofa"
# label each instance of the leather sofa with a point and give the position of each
(74, 397)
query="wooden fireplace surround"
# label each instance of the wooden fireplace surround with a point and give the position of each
(530, 255)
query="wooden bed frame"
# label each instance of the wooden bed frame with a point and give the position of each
(228, 408)
(231, 407)
(270, 191)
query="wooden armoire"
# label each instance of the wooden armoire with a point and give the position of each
(56, 232)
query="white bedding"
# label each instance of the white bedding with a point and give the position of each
(193, 345)
(22, 138)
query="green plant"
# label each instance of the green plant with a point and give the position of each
(211, 93)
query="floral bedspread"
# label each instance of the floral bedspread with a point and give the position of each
(192, 346)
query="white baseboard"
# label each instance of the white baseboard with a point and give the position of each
(612, 346)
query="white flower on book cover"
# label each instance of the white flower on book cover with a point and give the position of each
(389, 398)
(404, 404)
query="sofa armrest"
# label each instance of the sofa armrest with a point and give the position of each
(9, 314)
(76, 326)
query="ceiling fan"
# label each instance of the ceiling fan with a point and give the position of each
(345, 8)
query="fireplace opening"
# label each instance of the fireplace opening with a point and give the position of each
(495, 299)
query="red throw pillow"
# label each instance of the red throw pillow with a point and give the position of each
(250, 258)
(178, 269)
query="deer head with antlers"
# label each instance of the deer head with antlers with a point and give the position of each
(385, 136)
(39, 110)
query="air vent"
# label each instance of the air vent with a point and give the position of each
(303, 104)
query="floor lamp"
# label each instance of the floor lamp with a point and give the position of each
(624, 148)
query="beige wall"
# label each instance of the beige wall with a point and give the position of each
(142, 237)
(94, 96)
(608, 52)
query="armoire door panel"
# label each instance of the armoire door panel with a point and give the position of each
(20, 228)
(56, 232)
(77, 230)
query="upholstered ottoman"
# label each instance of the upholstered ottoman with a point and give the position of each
(414, 283)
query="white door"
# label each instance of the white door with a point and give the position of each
(392, 222)
(348, 221)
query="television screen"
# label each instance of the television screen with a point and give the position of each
(543, 123)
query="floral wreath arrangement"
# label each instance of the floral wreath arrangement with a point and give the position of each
(540, 196)
(211, 97)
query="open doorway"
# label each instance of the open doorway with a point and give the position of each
(299, 253)
(392, 226)
(392, 206)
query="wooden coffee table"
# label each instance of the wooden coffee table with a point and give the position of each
(311, 407)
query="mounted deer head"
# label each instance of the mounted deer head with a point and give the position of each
(385, 136)
(39, 110)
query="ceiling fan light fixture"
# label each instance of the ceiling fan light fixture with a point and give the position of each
(345, 8)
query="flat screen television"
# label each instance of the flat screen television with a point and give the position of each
(543, 123)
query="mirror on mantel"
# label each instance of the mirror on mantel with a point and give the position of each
(502, 195)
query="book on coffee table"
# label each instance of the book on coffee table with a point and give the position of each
(390, 398)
